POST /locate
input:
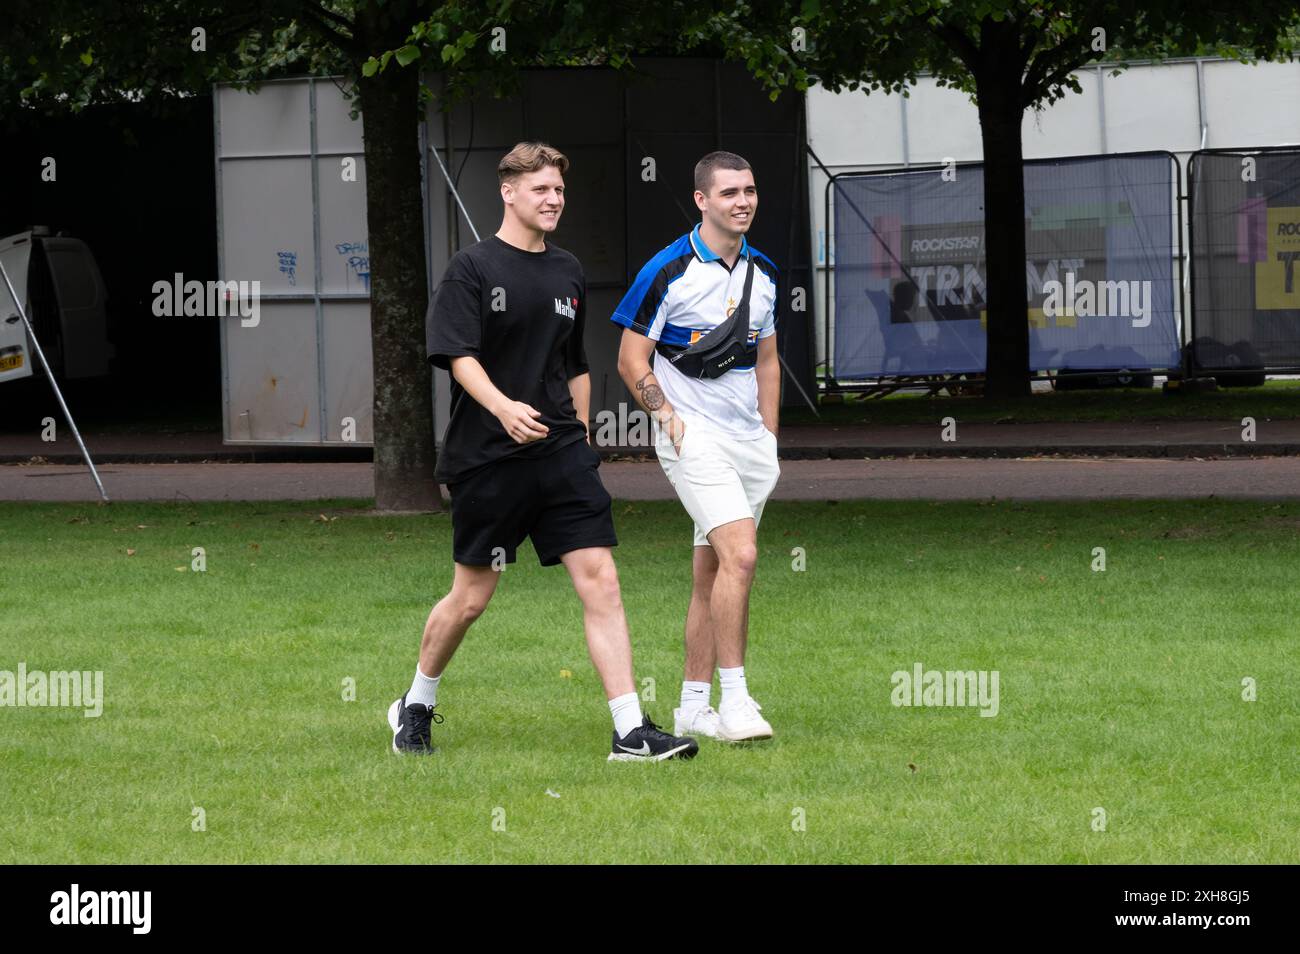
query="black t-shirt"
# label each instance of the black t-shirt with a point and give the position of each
(521, 314)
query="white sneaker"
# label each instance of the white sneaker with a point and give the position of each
(741, 723)
(702, 721)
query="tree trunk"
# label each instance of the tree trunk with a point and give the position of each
(998, 91)
(403, 378)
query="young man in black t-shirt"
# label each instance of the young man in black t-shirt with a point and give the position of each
(507, 322)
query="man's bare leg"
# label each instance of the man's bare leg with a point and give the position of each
(696, 715)
(471, 589)
(701, 653)
(595, 579)
(735, 545)
(736, 550)
(410, 717)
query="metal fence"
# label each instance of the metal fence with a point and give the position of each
(1244, 213)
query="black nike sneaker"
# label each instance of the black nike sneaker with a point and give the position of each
(410, 725)
(646, 743)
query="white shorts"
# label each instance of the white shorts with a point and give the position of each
(717, 478)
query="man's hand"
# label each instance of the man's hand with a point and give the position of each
(634, 353)
(519, 421)
(516, 417)
(675, 428)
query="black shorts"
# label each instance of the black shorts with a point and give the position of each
(557, 500)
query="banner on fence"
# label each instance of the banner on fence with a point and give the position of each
(910, 255)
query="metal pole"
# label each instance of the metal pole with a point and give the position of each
(795, 382)
(801, 177)
(452, 186)
(1101, 107)
(22, 313)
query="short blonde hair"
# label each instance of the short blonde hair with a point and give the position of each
(530, 157)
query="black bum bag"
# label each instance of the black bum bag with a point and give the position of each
(723, 348)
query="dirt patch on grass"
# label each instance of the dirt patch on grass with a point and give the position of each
(1280, 523)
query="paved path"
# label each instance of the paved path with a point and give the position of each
(798, 442)
(904, 479)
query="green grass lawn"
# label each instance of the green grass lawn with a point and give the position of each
(1275, 400)
(1119, 690)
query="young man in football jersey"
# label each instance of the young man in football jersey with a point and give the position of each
(507, 321)
(716, 438)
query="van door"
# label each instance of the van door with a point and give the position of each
(15, 358)
(82, 301)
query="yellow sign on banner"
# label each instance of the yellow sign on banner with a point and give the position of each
(1040, 319)
(1277, 279)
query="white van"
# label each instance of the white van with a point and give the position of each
(59, 284)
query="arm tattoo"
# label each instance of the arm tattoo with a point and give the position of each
(652, 395)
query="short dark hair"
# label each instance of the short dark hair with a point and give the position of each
(530, 157)
(705, 168)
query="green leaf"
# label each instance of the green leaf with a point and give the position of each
(408, 55)
(370, 67)
(86, 58)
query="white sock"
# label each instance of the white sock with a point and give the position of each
(734, 690)
(626, 710)
(695, 695)
(424, 690)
